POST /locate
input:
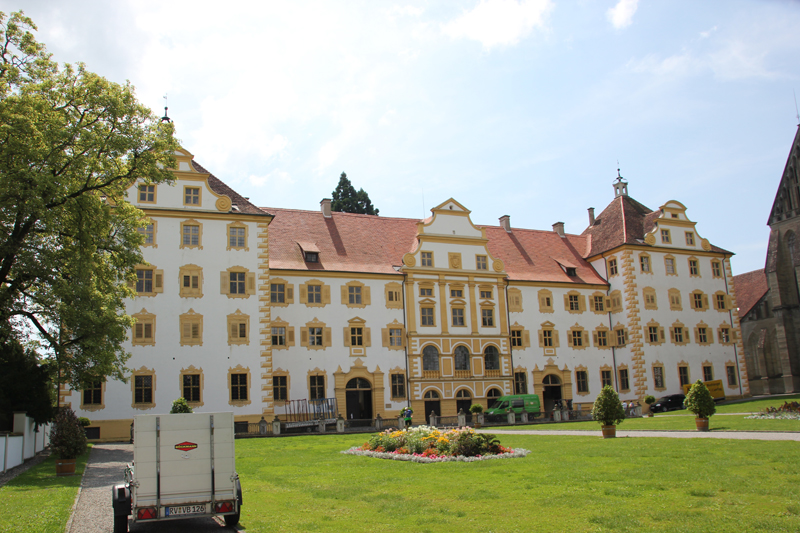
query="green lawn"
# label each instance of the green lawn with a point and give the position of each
(38, 500)
(677, 423)
(566, 484)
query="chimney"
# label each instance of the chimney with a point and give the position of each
(591, 216)
(325, 205)
(505, 223)
(558, 227)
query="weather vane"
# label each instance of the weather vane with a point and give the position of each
(165, 118)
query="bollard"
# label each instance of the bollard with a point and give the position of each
(276, 426)
(378, 422)
(262, 426)
(462, 418)
(340, 424)
(512, 418)
(524, 417)
(401, 422)
(480, 419)
(556, 416)
(432, 419)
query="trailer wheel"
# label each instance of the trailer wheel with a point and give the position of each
(121, 524)
(233, 519)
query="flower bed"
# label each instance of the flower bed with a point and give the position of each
(425, 444)
(788, 411)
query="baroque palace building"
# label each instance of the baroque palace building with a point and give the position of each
(379, 313)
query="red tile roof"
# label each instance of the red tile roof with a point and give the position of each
(220, 187)
(373, 244)
(750, 288)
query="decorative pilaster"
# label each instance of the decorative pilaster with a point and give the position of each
(631, 296)
(264, 320)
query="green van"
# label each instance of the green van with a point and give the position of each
(515, 402)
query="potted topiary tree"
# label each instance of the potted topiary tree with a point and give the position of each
(180, 406)
(649, 400)
(67, 441)
(607, 410)
(477, 411)
(700, 402)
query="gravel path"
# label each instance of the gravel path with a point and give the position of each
(93, 512)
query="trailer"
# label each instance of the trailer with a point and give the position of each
(183, 467)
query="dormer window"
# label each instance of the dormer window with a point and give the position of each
(312, 257)
(310, 252)
(571, 271)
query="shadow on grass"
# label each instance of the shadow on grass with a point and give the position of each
(43, 476)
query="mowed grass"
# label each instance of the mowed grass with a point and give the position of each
(38, 500)
(566, 484)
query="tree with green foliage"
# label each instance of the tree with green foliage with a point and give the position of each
(607, 408)
(699, 400)
(68, 439)
(347, 200)
(24, 385)
(71, 144)
(181, 406)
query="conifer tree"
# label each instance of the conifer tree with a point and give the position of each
(347, 200)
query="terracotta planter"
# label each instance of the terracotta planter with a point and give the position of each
(65, 467)
(701, 423)
(609, 432)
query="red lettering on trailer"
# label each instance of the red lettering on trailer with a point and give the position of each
(186, 446)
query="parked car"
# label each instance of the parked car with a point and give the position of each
(515, 402)
(668, 403)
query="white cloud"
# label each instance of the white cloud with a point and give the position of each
(706, 34)
(621, 15)
(274, 178)
(499, 22)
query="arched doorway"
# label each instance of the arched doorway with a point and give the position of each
(552, 391)
(463, 401)
(491, 396)
(432, 404)
(358, 394)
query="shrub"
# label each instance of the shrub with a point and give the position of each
(699, 401)
(85, 422)
(607, 408)
(68, 439)
(180, 406)
(649, 399)
(475, 408)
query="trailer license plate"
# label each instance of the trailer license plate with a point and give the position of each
(185, 510)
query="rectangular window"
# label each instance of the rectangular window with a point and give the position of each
(602, 338)
(237, 283)
(427, 259)
(279, 336)
(716, 269)
(395, 337)
(191, 235)
(486, 295)
(191, 196)
(708, 373)
(147, 193)
(93, 394)
(487, 317)
(683, 375)
(481, 262)
(191, 387)
(144, 281)
(458, 316)
(644, 261)
(356, 336)
(317, 387)
(599, 303)
(612, 267)
(314, 294)
(516, 338)
(239, 387)
(280, 389)
(702, 335)
(238, 331)
(694, 269)
(277, 293)
(652, 333)
(149, 232)
(354, 295)
(720, 300)
(143, 389)
(426, 316)
(731, 371)
(665, 238)
(582, 380)
(574, 302)
(547, 338)
(658, 377)
(678, 333)
(621, 337)
(425, 291)
(697, 300)
(724, 335)
(236, 237)
(394, 296)
(669, 263)
(605, 378)
(689, 238)
(143, 332)
(456, 293)
(398, 386)
(624, 384)
(577, 338)
(520, 383)
(191, 331)
(315, 336)
(191, 282)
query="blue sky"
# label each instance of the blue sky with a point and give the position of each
(519, 108)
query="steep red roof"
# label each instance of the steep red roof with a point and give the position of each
(220, 187)
(750, 288)
(372, 244)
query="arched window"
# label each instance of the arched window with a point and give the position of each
(492, 358)
(492, 395)
(430, 358)
(462, 358)
(550, 379)
(358, 383)
(431, 395)
(463, 394)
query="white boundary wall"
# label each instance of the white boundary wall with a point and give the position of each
(24, 442)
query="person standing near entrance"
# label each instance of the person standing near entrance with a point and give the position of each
(407, 413)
